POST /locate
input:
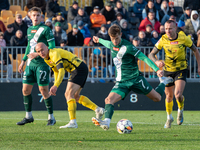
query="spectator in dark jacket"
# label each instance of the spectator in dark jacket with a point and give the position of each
(155, 37)
(97, 3)
(157, 4)
(18, 40)
(4, 4)
(193, 4)
(125, 30)
(150, 8)
(72, 13)
(52, 8)
(62, 21)
(172, 10)
(138, 8)
(82, 16)
(108, 13)
(2, 27)
(19, 24)
(59, 33)
(148, 31)
(8, 34)
(118, 19)
(186, 15)
(75, 37)
(37, 3)
(143, 40)
(113, 3)
(119, 8)
(103, 34)
(27, 19)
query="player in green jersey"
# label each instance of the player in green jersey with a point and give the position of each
(128, 76)
(36, 69)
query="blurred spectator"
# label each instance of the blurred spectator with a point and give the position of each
(6, 63)
(186, 14)
(120, 8)
(52, 8)
(63, 44)
(59, 33)
(62, 21)
(157, 5)
(155, 37)
(19, 41)
(150, 20)
(8, 34)
(148, 31)
(4, 4)
(118, 19)
(96, 63)
(181, 26)
(27, 19)
(72, 12)
(173, 18)
(48, 22)
(88, 44)
(19, 24)
(192, 25)
(37, 3)
(75, 37)
(162, 30)
(2, 27)
(103, 34)
(143, 40)
(2, 40)
(97, 3)
(136, 42)
(42, 19)
(84, 30)
(108, 13)
(172, 10)
(83, 17)
(113, 3)
(150, 8)
(193, 4)
(138, 8)
(126, 33)
(97, 19)
(164, 12)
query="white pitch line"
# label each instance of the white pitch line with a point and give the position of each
(185, 124)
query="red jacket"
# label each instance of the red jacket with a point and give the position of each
(2, 27)
(145, 22)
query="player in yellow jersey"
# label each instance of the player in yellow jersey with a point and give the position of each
(175, 66)
(60, 61)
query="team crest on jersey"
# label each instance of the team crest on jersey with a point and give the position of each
(115, 49)
(174, 43)
(33, 31)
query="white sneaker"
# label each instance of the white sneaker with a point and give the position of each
(168, 123)
(102, 123)
(99, 112)
(166, 80)
(180, 117)
(69, 125)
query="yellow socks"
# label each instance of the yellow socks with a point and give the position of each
(181, 104)
(169, 107)
(87, 103)
(72, 108)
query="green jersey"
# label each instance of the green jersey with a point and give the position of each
(124, 57)
(36, 34)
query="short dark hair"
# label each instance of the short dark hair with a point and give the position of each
(114, 30)
(170, 21)
(119, 1)
(36, 9)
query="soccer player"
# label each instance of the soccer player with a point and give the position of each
(60, 61)
(36, 69)
(128, 78)
(175, 66)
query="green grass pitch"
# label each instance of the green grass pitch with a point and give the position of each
(148, 132)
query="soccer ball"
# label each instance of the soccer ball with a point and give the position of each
(124, 126)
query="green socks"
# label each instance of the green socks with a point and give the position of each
(109, 110)
(28, 103)
(49, 105)
(160, 89)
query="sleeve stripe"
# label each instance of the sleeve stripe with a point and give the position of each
(137, 52)
(50, 39)
(60, 65)
(58, 61)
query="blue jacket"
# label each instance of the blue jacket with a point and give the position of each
(138, 8)
(85, 31)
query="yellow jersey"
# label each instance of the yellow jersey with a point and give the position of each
(175, 51)
(60, 61)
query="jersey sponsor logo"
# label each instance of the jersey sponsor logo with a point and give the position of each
(174, 43)
(50, 62)
(115, 49)
(33, 31)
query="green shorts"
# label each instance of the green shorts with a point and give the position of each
(36, 74)
(138, 85)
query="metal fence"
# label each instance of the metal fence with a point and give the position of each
(98, 60)
(83, 3)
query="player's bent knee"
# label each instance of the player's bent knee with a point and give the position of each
(108, 101)
(26, 91)
(178, 96)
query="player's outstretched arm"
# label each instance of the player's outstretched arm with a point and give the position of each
(101, 41)
(152, 56)
(197, 55)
